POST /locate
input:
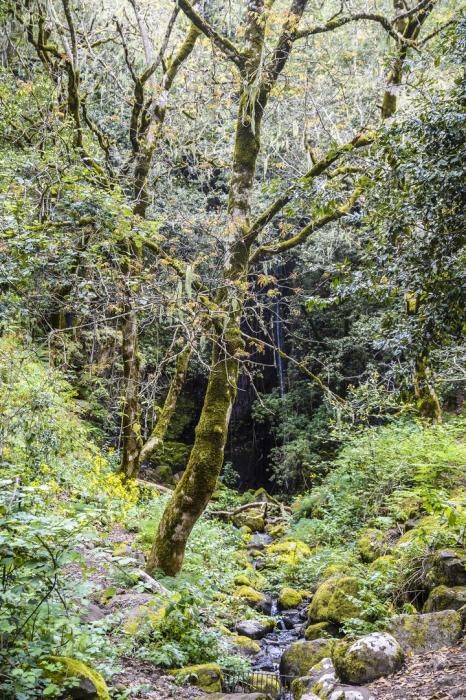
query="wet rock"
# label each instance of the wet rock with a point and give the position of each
(302, 655)
(350, 692)
(255, 629)
(368, 658)
(427, 631)
(336, 600)
(244, 645)
(444, 598)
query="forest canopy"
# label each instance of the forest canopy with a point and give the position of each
(231, 303)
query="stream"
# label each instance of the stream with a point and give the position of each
(289, 623)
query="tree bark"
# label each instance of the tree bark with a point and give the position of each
(198, 482)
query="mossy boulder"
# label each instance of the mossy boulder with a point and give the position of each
(427, 631)
(371, 544)
(446, 567)
(255, 599)
(288, 552)
(320, 630)
(252, 519)
(303, 655)
(207, 677)
(323, 669)
(244, 645)
(336, 600)
(290, 598)
(445, 598)
(368, 658)
(275, 531)
(426, 531)
(75, 677)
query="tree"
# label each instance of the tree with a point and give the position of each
(258, 78)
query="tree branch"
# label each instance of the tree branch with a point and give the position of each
(338, 22)
(359, 141)
(226, 46)
(308, 230)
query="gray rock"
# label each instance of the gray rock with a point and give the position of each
(426, 632)
(301, 656)
(255, 629)
(322, 671)
(93, 613)
(445, 598)
(447, 567)
(310, 696)
(366, 659)
(350, 692)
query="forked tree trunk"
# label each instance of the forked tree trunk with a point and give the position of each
(198, 482)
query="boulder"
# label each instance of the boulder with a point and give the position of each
(323, 670)
(244, 645)
(302, 655)
(89, 683)
(427, 631)
(288, 552)
(350, 692)
(444, 598)
(318, 630)
(375, 655)
(447, 567)
(310, 696)
(334, 600)
(255, 629)
(207, 677)
(371, 544)
(253, 519)
(255, 599)
(289, 598)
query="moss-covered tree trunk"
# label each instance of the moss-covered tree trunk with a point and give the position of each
(198, 482)
(144, 135)
(195, 489)
(163, 419)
